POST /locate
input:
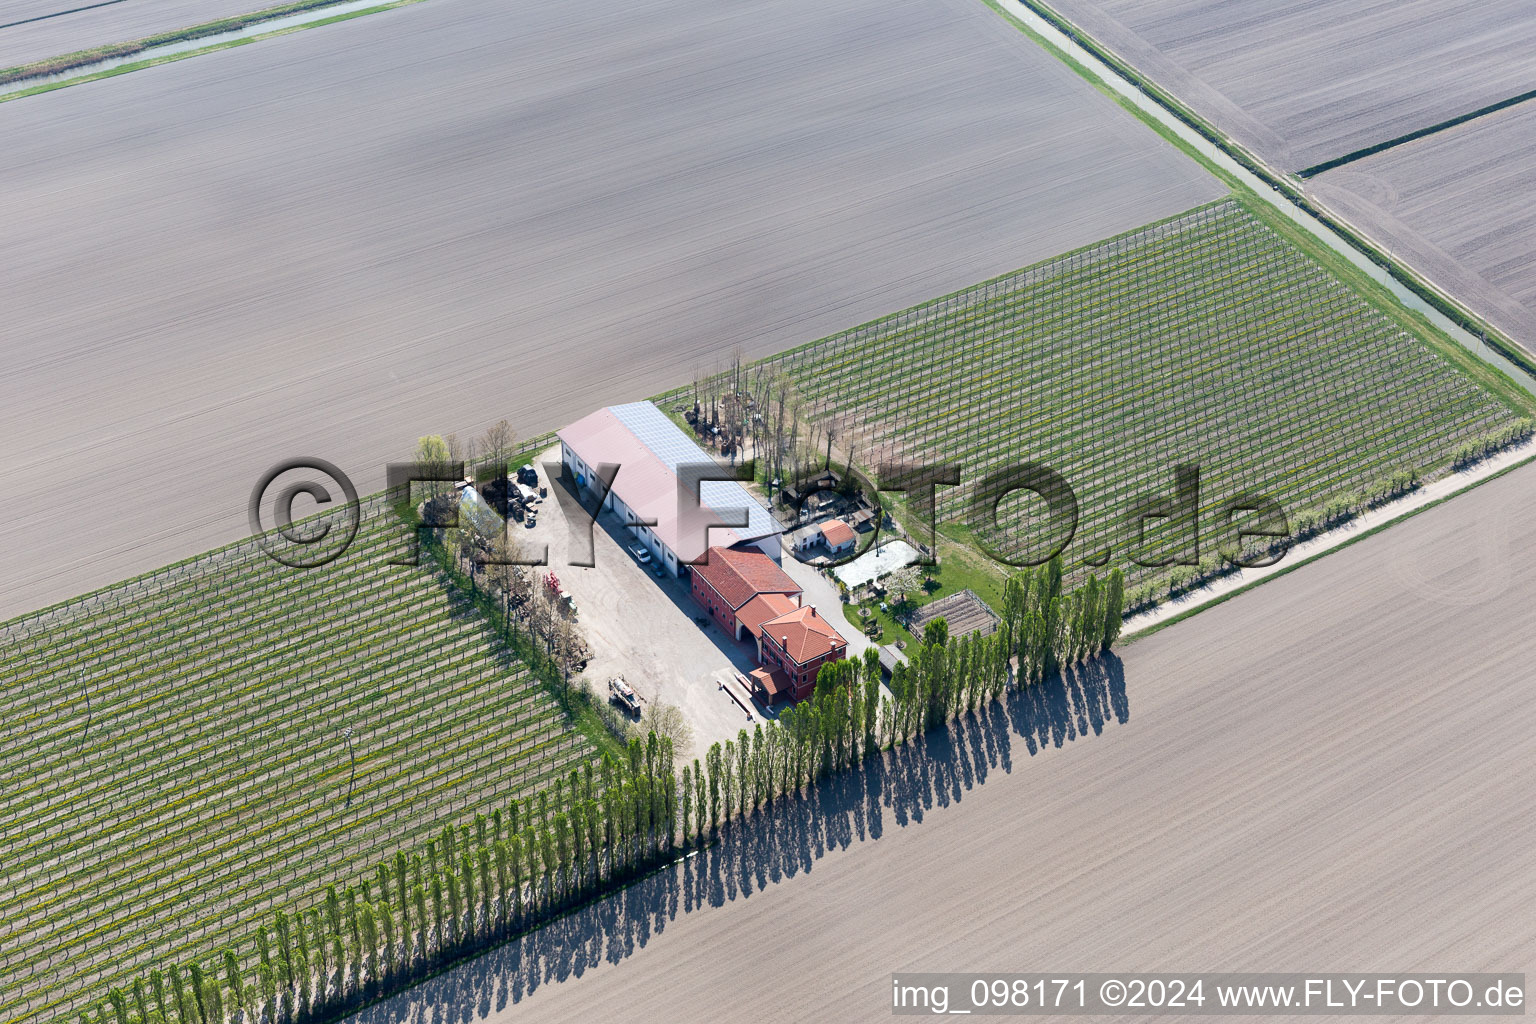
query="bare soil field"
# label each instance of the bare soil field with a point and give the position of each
(1301, 81)
(424, 220)
(39, 29)
(1460, 206)
(1336, 771)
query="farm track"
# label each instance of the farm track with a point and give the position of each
(1206, 340)
(174, 766)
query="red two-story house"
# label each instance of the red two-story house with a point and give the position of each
(792, 648)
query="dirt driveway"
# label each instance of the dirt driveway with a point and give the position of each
(642, 626)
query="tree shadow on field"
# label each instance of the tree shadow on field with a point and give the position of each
(777, 843)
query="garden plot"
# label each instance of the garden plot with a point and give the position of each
(963, 612)
(1303, 81)
(179, 753)
(1207, 340)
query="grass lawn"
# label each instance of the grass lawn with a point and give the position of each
(961, 565)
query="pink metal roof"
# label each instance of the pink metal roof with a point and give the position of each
(647, 485)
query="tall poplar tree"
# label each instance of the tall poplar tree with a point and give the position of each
(1114, 610)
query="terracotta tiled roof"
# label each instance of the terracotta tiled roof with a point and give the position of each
(762, 608)
(739, 576)
(837, 532)
(803, 634)
(772, 681)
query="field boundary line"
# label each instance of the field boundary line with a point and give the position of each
(60, 14)
(1417, 134)
(84, 60)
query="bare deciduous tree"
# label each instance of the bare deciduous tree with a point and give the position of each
(567, 646)
(668, 720)
(542, 615)
(501, 552)
(497, 444)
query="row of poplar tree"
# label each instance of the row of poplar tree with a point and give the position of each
(599, 827)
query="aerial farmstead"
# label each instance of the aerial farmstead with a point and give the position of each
(517, 739)
(640, 468)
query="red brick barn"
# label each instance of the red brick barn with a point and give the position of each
(740, 589)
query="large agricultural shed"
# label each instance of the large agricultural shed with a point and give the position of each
(428, 219)
(649, 451)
